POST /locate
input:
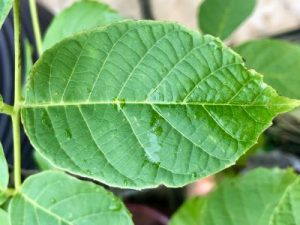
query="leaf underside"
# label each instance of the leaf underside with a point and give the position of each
(58, 199)
(140, 103)
(260, 197)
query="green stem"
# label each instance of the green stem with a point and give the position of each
(17, 150)
(7, 109)
(18, 97)
(10, 192)
(36, 26)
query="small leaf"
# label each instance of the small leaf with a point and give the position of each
(56, 198)
(260, 197)
(278, 60)
(5, 7)
(41, 162)
(80, 16)
(221, 17)
(4, 219)
(139, 104)
(4, 176)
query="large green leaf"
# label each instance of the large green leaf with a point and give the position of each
(80, 16)
(221, 17)
(51, 198)
(4, 219)
(5, 7)
(4, 176)
(260, 197)
(278, 60)
(138, 104)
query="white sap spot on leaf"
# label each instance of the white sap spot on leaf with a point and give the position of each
(153, 148)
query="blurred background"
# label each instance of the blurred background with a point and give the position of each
(270, 17)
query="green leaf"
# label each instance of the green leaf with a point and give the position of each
(278, 60)
(221, 17)
(190, 213)
(4, 176)
(287, 210)
(41, 162)
(4, 219)
(138, 104)
(80, 16)
(56, 198)
(5, 7)
(260, 197)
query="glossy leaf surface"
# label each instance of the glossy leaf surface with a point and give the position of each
(80, 16)
(5, 7)
(56, 198)
(221, 17)
(278, 60)
(4, 176)
(138, 104)
(260, 197)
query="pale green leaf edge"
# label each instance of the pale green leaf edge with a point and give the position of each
(5, 7)
(4, 176)
(42, 162)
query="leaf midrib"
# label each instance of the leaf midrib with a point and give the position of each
(123, 103)
(38, 206)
